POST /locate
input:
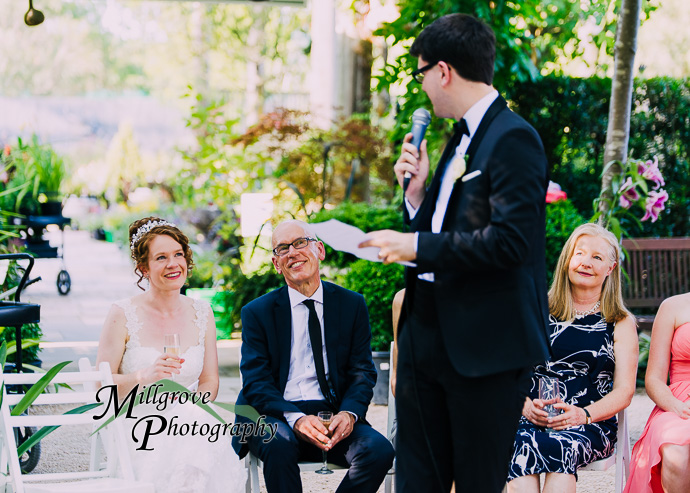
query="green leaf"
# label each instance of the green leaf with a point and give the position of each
(37, 388)
(46, 430)
(26, 343)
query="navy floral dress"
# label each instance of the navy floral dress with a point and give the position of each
(583, 359)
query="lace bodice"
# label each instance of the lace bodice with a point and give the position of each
(137, 357)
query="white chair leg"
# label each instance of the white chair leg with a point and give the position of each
(248, 483)
(254, 474)
(388, 483)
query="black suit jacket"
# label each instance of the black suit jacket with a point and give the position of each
(489, 260)
(266, 335)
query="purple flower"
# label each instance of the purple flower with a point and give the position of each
(655, 204)
(629, 194)
(652, 173)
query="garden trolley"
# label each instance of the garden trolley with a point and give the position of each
(40, 247)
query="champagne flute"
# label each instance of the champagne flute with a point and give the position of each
(171, 346)
(325, 417)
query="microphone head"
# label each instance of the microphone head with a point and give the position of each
(421, 116)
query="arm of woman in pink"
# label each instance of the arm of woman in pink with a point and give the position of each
(665, 324)
(625, 351)
(111, 348)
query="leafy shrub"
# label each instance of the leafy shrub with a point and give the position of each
(378, 283)
(363, 216)
(241, 289)
(571, 116)
(561, 219)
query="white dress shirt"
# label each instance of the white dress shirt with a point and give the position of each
(473, 117)
(302, 383)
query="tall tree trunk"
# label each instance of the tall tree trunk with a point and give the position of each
(618, 131)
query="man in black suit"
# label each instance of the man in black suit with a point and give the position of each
(286, 380)
(475, 306)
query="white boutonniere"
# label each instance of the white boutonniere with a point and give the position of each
(458, 167)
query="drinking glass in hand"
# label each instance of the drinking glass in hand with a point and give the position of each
(325, 417)
(550, 393)
(171, 346)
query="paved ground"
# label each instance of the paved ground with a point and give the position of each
(101, 274)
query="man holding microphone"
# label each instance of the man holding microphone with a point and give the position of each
(475, 312)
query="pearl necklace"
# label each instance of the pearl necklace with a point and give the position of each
(579, 314)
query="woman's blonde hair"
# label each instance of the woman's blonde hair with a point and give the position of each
(560, 295)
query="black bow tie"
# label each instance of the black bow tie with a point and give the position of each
(461, 129)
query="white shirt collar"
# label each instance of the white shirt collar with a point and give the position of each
(474, 115)
(296, 297)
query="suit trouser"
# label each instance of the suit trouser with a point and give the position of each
(450, 427)
(367, 453)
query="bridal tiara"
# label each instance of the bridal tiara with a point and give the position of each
(142, 230)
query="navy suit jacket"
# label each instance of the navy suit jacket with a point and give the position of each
(266, 335)
(489, 258)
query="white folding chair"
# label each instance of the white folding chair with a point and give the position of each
(97, 457)
(621, 457)
(253, 463)
(391, 429)
(118, 474)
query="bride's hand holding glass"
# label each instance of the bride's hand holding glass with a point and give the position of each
(165, 366)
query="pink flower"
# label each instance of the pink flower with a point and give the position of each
(655, 204)
(652, 173)
(629, 194)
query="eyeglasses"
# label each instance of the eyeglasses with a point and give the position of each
(298, 244)
(419, 73)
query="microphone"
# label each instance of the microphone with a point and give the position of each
(420, 121)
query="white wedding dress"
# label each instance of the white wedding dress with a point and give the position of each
(179, 464)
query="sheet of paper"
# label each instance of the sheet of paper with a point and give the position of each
(345, 238)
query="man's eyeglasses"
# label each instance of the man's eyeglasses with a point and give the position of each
(419, 73)
(298, 244)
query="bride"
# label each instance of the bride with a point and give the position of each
(132, 342)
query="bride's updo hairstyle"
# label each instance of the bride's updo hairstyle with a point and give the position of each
(142, 231)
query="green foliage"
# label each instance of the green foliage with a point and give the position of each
(363, 216)
(32, 169)
(531, 36)
(198, 43)
(349, 161)
(571, 117)
(209, 174)
(241, 289)
(378, 283)
(561, 219)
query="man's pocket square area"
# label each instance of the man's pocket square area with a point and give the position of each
(472, 175)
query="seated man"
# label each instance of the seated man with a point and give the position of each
(289, 383)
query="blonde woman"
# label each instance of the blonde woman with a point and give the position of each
(594, 353)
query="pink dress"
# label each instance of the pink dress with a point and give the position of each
(663, 427)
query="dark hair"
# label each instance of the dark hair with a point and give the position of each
(140, 251)
(464, 42)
